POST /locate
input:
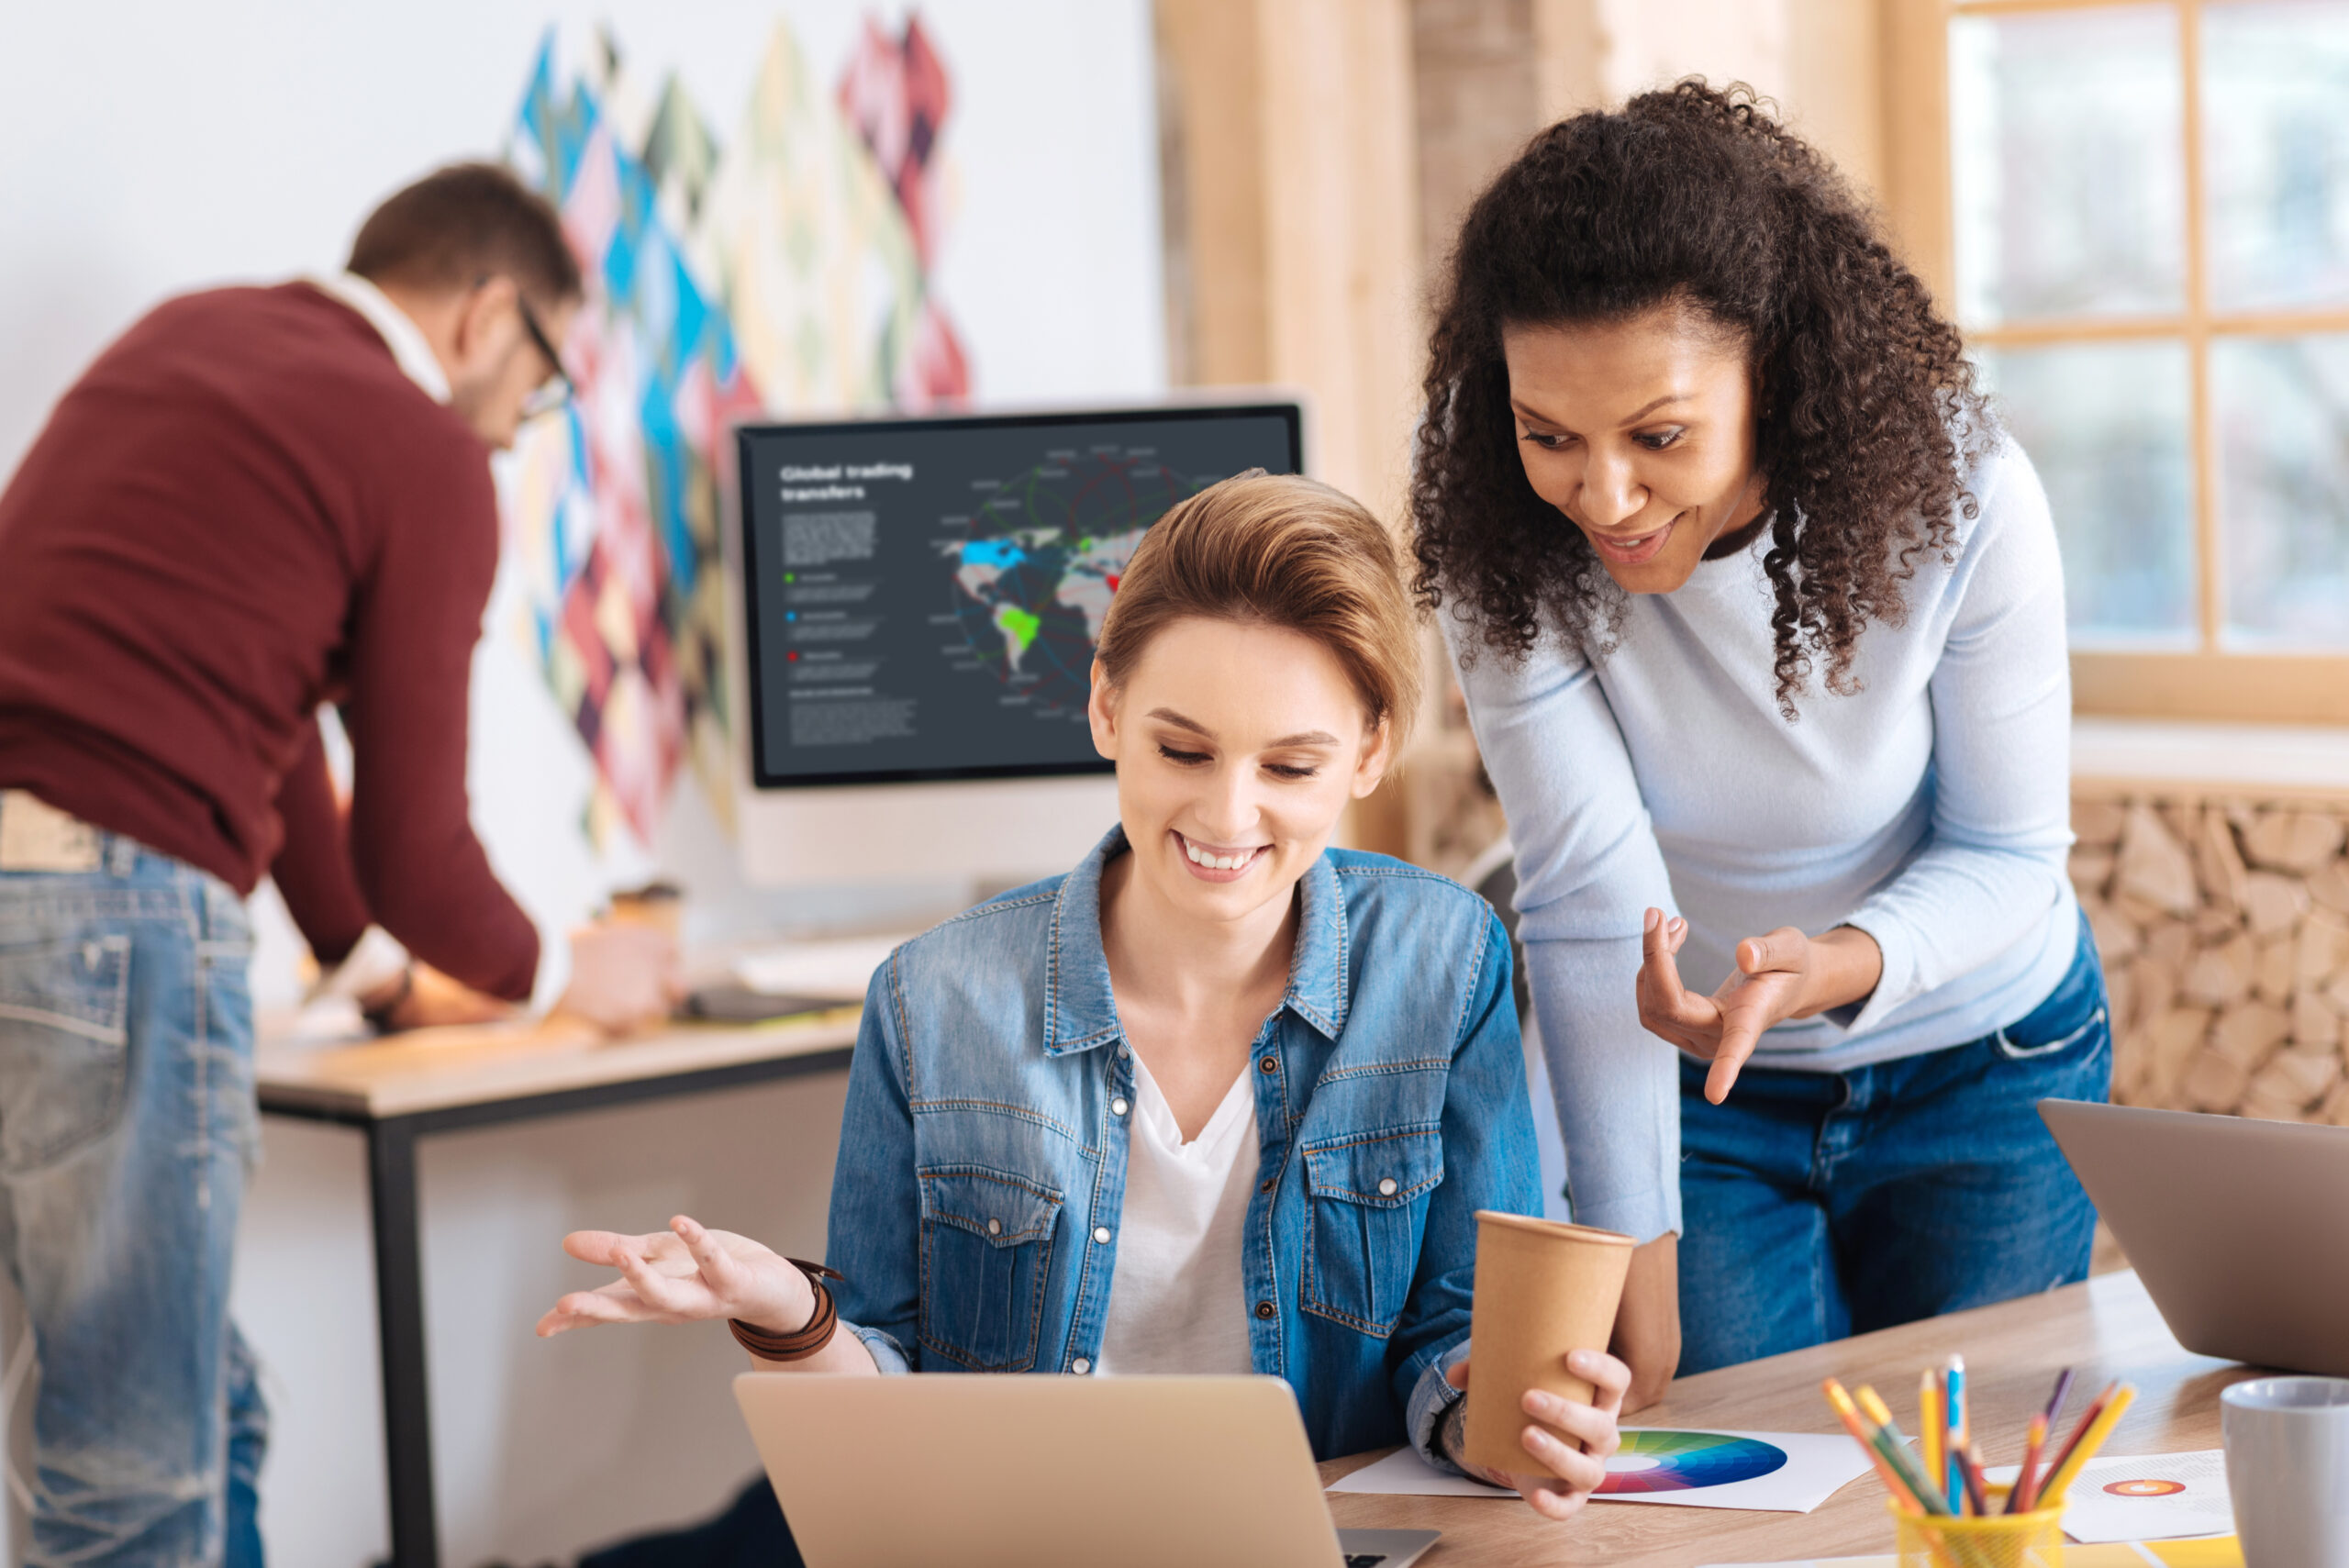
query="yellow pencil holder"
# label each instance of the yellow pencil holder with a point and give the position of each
(2034, 1540)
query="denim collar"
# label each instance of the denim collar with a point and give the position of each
(1080, 1012)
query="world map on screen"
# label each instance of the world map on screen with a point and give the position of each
(1036, 564)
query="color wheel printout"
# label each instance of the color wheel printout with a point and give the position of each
(1772, 1472)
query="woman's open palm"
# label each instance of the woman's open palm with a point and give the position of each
(1766, 988)
(686, 1273)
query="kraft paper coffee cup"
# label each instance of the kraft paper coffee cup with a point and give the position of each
(661, 905)
(1543, 1289)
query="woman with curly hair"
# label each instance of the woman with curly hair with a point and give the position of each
(1760, 620)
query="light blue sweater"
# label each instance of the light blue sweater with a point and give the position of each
(1931, 810)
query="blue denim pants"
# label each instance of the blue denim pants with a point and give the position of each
(127, 1126)
(1820, 1205)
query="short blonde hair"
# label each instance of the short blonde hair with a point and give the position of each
(1278, 550)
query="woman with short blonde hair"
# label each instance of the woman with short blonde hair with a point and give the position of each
(1222, 1098)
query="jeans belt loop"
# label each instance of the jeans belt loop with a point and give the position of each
(221, 907)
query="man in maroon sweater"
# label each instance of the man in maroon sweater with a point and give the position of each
(257, 501)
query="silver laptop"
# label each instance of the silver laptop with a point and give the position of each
(2239, 1228)
(981, 1472)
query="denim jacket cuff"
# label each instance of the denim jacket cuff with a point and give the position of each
(887, 1354)
(1432, 1400)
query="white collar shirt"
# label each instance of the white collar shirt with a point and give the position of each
(398, 329)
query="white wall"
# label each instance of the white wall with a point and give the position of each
(153, 147)
(148, 147)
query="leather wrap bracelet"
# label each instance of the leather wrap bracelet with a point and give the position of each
(769, 1346)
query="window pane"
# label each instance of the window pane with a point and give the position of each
(2106, 426)
(2065, 147)
(2282, 406)
(2275, 77)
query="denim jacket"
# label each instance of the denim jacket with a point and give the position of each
(982, 1168)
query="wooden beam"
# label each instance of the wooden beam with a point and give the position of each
(2209, 607)
(1301, 247)
(2010, 7)
(1215, 157)
(2113, 328)
(1915, 41)
(1301, 202)
(2254, 688)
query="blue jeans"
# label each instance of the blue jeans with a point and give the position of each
(127, 1126)
(1818, 1205)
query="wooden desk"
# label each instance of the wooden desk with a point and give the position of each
(397, 1091)
(2107, 1329)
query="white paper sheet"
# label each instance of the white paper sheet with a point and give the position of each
(2127, 1554)
(1789, 1472)
(2162, 1496)
(839, 968)
(1404, 1473)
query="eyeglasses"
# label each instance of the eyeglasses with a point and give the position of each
(556, 391)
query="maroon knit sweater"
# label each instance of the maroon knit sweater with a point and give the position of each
(244, 509)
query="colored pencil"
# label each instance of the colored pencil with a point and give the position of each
(1929, 1424)
(1856, 1424)
(2019, 1498)
(2085, 1449)
(2055, 1400)
(1928, 1491)
(2087, 1419)
(1969, 1469)
(1954, 1418)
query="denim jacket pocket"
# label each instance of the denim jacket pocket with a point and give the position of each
(986, 1247)
(1367, 1198)
(64, 1045)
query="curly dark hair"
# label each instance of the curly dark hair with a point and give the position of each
(1697, 196)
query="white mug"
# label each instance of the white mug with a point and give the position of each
(2287, 1467)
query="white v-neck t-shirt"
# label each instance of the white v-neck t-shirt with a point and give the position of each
(1177, 1300)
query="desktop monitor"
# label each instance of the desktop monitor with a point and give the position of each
(921, 600)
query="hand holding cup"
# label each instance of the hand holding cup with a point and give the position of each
(1566, 1472)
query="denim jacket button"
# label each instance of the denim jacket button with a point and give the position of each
(1267, 1311)
(1080, 1366)
(1117, 1106)
(1386, 1187)
(995, 1227)
(1270, 1064)
(1101, 1234)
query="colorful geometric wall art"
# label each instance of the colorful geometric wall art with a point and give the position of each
(784, 268)
(896, 93)
(810, 248)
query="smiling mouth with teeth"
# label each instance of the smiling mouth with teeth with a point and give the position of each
(1632, 551)
(1212, 861)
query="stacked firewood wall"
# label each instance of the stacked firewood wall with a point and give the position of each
(2224, 930)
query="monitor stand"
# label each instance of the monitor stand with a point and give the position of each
(996, 832)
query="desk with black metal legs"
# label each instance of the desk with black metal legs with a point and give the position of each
(397, 1092)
